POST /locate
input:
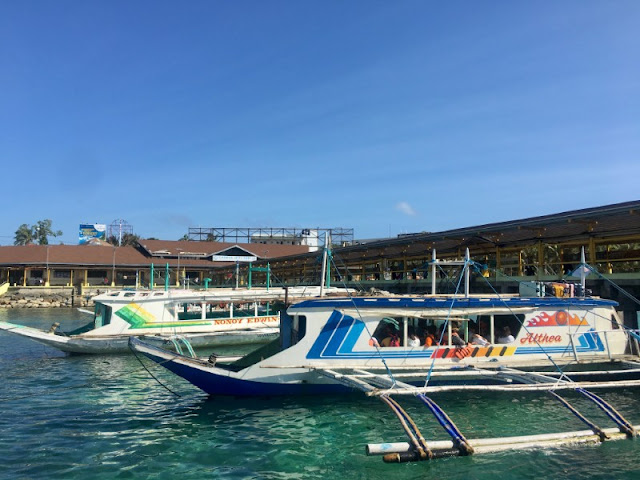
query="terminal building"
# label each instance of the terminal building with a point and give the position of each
(172, 263)
(544, 248)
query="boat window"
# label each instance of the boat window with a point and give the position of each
(102, 315)
(505, 325)
(189, 311)
(414, 332)
(158, 294)
(615, 323)
(298, 328)
(390, 332)
(129, 294)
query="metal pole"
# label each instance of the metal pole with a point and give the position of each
(583, 273)
(324, 265)
(433, 271)
(328, 268)
(249, 276)
(113, 269)
(166, 277)
(467, 262)
(151, 278)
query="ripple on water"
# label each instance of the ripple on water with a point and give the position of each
(104, 417)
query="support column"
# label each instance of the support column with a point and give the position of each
(592, 251)
(540, 260)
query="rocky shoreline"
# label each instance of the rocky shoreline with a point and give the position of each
(62, 299)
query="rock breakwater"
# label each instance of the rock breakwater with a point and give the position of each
(62, 299)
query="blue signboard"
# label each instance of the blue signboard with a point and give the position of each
(88, 232)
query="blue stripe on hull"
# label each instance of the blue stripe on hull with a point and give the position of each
(215, 384)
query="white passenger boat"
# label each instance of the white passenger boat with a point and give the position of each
(328, 345)
(205, 318)
(334, 345)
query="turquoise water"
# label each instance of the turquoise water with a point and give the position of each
(105, 417)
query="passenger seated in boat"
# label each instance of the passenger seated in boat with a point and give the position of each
(477, 339)
(443, 337)
(391, 338)
(483, 328)
(412, 339)
(430, 338)
(456, 339)
(506, 336)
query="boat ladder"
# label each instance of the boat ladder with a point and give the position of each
(177, 339)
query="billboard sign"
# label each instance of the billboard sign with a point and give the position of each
(89, 232)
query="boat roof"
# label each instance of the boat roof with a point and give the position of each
(453, 302)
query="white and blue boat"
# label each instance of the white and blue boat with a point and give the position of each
(385, 347)
(328, 345)
(331, 345)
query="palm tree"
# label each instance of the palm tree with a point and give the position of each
(130, 239)
(42, 230)
(37, 233)
(24, 235)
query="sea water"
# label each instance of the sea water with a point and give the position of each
(107, 417)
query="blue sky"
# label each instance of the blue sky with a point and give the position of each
(386, 117)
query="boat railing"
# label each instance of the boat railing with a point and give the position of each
(633, 339)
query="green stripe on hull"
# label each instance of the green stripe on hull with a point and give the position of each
(135, 315)
(138, 317)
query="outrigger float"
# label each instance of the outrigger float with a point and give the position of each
(368, 344)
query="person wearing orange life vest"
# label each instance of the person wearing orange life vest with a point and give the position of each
(390, 339)
(430, 338)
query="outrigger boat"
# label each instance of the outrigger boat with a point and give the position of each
(179, 318)
(333, 345)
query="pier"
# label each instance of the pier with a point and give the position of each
(545, 248)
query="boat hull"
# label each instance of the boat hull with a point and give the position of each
(78, 344)
(308, 381)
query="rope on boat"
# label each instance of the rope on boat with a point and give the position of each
(445, 326)
(621, 290)
(563, 375)
(420, 447)
(458, 438)
(135, 354)
(596, 429)
(375, 344)
(611, 412)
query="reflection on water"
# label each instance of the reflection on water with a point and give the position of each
(104, 417)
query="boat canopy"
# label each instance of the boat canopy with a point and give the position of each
(452, 314)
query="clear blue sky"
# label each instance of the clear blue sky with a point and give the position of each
(387, 117)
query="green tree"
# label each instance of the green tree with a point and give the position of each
(24, 235)
(42, 230)
(130, 239)
(38, 233)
